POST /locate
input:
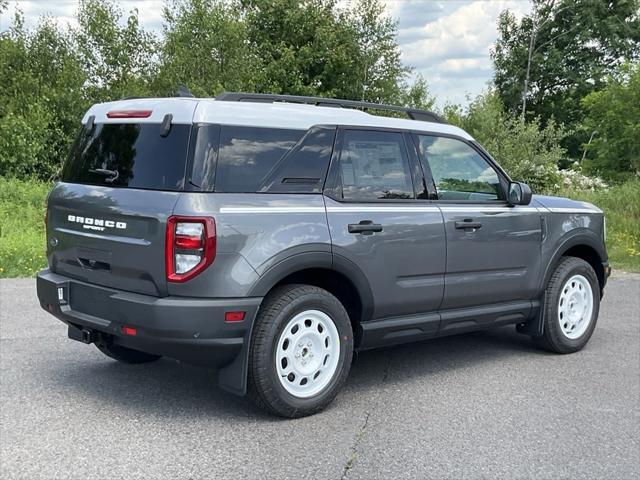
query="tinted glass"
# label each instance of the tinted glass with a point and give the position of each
(459, 172)
(304, 168)
(205, 155)
(129, 155)
(248, 154)
(374, 166)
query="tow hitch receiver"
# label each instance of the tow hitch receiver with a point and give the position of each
(83, 335)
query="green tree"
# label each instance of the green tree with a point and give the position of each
(379, 71)
(205, 48)
(41, 98)
(548, 61)
(304, 48)
(417, 94)
(613, 118)
(118, 59)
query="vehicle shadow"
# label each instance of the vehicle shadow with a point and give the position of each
(418, 361)
(169, 388)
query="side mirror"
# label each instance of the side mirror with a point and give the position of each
(519, 193)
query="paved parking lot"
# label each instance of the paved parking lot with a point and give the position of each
(488, 405)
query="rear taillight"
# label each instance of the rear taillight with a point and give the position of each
(190, 246)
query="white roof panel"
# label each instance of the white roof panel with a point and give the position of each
(275, 115)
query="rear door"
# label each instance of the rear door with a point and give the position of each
(493, 249)
(107, 218)
(378, 222)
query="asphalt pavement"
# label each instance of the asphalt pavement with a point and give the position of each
(486, 405)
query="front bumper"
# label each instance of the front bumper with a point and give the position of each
(188, 329)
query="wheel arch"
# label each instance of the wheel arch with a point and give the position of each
(582, 244)
(334, 273)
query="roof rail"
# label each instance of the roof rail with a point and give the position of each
(412, 113)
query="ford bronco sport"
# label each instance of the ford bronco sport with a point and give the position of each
(272, 236)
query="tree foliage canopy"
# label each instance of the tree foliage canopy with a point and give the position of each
(51, 74)
(613, 118)
(571, 47)
(578, 59)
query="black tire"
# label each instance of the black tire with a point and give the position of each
(554, 339)
(278, 308)
(126, 355)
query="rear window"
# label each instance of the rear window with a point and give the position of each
(129, 155)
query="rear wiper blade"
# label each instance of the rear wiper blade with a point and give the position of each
(113, 174)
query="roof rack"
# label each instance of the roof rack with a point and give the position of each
(412, 113)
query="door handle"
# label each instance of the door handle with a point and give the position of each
(365, 227)
(468, 223)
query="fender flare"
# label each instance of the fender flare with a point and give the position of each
(323, 260)
(580, 236)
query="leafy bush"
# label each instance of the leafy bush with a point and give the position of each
(22, 237)
(613, 123)
(573, 178)
(41, 99)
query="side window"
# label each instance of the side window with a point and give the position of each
(247, 155)
(304, 168)
(204, 147)
(374, 166)
(459, 172)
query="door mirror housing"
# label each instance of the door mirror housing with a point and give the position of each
(519, 193)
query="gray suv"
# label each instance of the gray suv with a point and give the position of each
(272, 236)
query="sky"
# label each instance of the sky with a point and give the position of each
(448, 42)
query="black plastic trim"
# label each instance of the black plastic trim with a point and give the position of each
(412, 113)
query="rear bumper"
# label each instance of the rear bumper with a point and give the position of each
(189, 329)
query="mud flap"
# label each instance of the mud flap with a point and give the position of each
(535, 326)
(233, 377)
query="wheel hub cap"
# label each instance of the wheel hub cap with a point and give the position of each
(575, 306)
(307, 353)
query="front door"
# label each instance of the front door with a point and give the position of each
(378, 223)
(493, 249)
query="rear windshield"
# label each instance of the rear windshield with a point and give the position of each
(129, 155)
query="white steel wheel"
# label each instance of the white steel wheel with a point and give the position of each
(308, 353)
(575, 306)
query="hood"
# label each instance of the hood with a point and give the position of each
(564, 205)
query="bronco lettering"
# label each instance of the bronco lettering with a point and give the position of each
(98, 224)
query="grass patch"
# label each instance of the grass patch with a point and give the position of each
(22, 237)
(621, 205)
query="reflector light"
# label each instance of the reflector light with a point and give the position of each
(129, 114)
(129, 331)
(234, 316)
(188, 243)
